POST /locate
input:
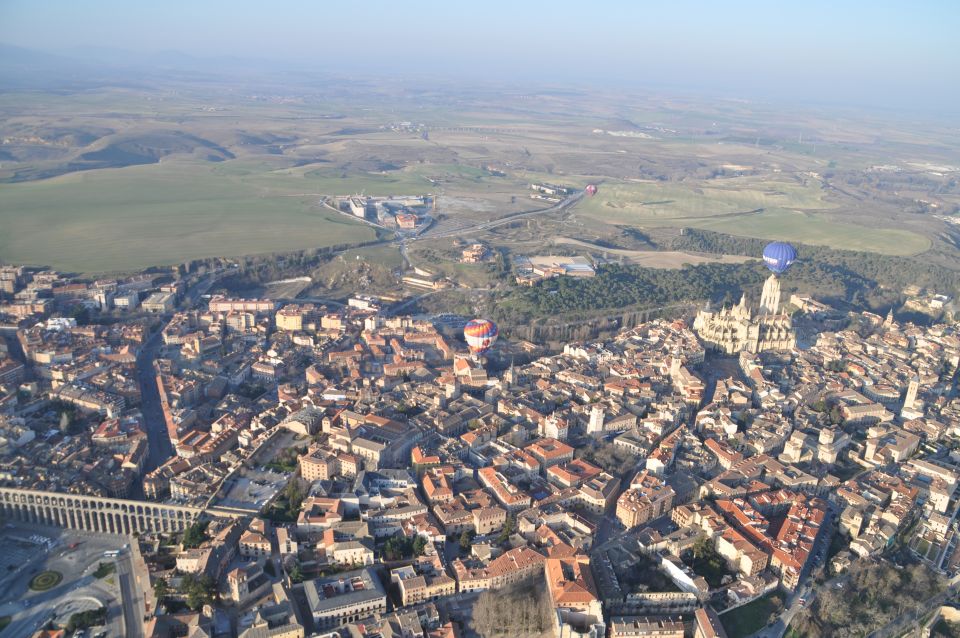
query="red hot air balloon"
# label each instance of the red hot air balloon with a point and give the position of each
(480, 335)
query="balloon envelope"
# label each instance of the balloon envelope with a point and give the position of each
(480, 335)
(778, 256)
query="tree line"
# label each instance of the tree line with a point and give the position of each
(521, 609)
(875, 595)
(865, 281)
(857, 268)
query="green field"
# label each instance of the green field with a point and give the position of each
(212, 171)
(752, 617)
(327, 181)
(387, 256)
(130, 218)
(749, 207)
(816, 228)
(628, 201)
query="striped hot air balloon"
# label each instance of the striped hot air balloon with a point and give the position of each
(480, 335)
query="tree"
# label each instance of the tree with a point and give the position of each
(293, 494)
(419, 545)
(702, 547)
(81, 313)
(161, 589)
(521, 609)
(837, 366)
(836, 415)
(199, 591)
(85, 619)
(195, 534)
(396, 547)
(509, 526)
(875, 594)
(466, 539)
(296, 573)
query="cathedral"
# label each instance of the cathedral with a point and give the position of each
(739, 329)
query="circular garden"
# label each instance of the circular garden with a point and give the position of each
(45, 580)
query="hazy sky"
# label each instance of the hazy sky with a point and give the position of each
(885, 53)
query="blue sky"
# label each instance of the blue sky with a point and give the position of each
(883, 53)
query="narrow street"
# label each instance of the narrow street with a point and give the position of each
(159, 446)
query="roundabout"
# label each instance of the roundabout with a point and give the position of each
(45, 581)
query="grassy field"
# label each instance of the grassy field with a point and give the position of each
(629, 201)
(327, 181)
(817, 229)
(130, 218)
(751, 617)
(291, 151)
(749, 207)
(387, 256)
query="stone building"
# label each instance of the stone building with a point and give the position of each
(740, 329)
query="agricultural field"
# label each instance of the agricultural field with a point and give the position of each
(632, 201)
(747, 206)
(819, 229)
(117, 179)
(130, 218)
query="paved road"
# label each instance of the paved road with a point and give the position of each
(159, 447)
(807, 589)
(507, 219)
(131, 596)
(78, 590)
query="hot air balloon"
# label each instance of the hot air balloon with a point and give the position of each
(480, 335)
(778, 256)
(591, 189)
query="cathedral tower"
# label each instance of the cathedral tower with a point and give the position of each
(770, 298)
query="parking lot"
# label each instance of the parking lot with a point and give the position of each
(15, 552)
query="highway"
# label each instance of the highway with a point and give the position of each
(507, 219)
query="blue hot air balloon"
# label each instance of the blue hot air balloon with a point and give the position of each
(778, 256)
